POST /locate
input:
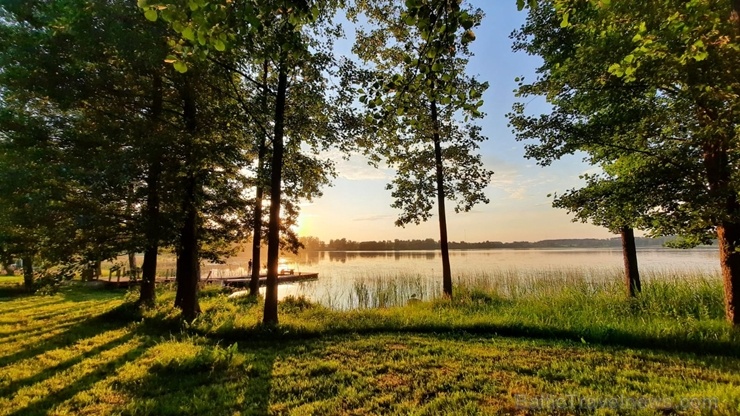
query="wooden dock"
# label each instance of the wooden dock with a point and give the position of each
(234, 281)
(243, 281)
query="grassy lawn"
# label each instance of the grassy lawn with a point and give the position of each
(87, 351)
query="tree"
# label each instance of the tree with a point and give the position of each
(419, 54)
(668, 69)
(118, 127)
(609, 202)
(283, 32)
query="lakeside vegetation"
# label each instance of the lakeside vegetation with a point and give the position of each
(343, 244)
(89, 351)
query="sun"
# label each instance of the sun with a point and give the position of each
(302, 226)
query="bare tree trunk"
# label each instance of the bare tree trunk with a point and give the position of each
(273, 231)
(188, 266)
(728, 236)
(629, 252)
(149, 267)
(716, 162)
(131, 264)
(188, 261)
(254, 282)
(147, 292)
(443, 244)
(28, 272)
(180, 270)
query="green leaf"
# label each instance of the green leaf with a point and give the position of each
(520, 5)
(188, 33)
(193, 6)
(565, 22)
(219, 45)
(151, 15)
(180, 67)
(616, 69)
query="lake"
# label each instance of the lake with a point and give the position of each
(350, 279)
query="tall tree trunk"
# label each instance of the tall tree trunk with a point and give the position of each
(728, 237)
(188, 261)
(718, 171)
(147, 292)
(443, 244)
(273, 231)
(180, 267)
(151, 251)
(28, 272)
(131, 264)
(254, 282)
(728, 231)
(629, 252)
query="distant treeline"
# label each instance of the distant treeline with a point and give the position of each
(314, 244)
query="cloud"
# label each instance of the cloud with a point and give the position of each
(375, 218)
(513, 183)
(356, 167)
(593, 170)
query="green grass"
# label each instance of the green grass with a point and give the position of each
(490, 350)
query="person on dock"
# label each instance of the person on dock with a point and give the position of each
(249, 267)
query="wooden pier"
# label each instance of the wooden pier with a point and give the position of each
(243, 281)
(232, 281)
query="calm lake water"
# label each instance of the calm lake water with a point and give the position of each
(351, 279)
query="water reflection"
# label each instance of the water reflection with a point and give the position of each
(382, 278)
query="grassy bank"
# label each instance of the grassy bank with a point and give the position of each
(576, 345)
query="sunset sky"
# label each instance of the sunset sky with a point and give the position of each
(357, 207)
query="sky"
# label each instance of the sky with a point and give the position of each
(358, 207)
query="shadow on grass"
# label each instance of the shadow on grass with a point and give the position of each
(13, 291)
(112, 319)
(208, 383)
(80, 292)
(608, 337)
(13, 336)
(13, 387)
(30, 306)
(43, 406)
(65, 310)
